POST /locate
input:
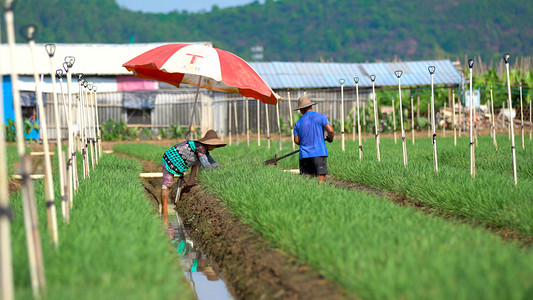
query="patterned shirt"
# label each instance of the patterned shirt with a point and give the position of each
(182, 156)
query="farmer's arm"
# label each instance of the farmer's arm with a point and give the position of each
(297, 140)
(212, 161)
(330, 131)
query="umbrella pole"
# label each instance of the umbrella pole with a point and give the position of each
(291, 121)
(50, 49)
(258, 124)
(194, 109)
(49, 181)
(356, 79)
(373, 78)
(279, 126)
(247, 122)
(506, 59)
(268, 126)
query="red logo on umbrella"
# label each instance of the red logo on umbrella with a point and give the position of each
(193, 58)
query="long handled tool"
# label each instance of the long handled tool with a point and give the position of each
(274, 160)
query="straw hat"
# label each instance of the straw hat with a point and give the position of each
(211, 138)
(304, 102)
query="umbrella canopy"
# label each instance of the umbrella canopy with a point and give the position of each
(204, 66)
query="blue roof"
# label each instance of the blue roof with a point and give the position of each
(280, 75)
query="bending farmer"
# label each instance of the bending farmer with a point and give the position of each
(183, 156)
(309, 134)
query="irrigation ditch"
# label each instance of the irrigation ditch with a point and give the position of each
(251, 267)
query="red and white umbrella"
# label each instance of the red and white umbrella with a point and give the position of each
(203, 66)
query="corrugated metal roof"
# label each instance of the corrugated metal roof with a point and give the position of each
(280, 75)
(107, 60)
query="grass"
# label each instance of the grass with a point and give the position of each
(113, 248)
(371, 247)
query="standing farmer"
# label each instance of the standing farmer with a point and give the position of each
(183, 156)
(309, 134)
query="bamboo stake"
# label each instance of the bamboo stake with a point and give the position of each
(341, 81)
(236, 121)
(493, 125)
(6, 215)
(353, 119)
(444, 124)
(247, 122)
(259, 124)
(81, 127)
(460, 125)
(521, 115)
(373, 78)
(99, 133)
(48, 180)
(530, 120)
(506, 60)
(398, 74)
(454, 125)
(394, 121)
(279, 126)
(67, 65)
(94, 114)
(291, 120)
(229, 120)
(431, 70)
(90, 121)
(412, 121)
(356, 79)
(50, 49)
(31, 226)
(472, 148)
(268, 125)
(68, 163)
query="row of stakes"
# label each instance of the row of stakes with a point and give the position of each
(84, 113)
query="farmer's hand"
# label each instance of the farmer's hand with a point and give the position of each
(328, 139)
(216, 165)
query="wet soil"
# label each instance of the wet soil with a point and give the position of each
(251, 266)
(507, 234)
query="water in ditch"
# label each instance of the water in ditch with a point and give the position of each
(205, 282)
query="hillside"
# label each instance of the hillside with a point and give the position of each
(304, 30)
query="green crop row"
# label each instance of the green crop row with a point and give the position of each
(113, 248)
(371, 247)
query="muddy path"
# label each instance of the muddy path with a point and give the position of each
(507, 234)
(251, 266)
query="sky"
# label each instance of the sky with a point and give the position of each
(165, 6)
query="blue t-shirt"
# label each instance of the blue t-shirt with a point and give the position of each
(310, 129)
